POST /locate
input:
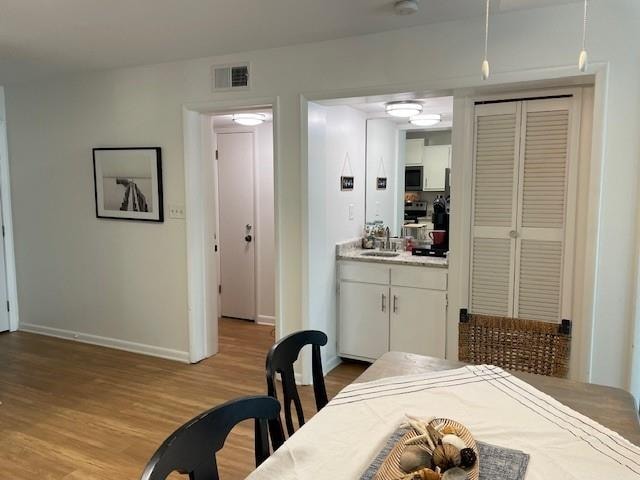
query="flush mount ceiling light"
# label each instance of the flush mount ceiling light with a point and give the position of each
(425, 120)
(249, 119)
(406, 7)
(403, 108)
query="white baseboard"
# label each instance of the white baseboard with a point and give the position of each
(331, 363)
(107, 342)
(327, 366)
(265, 320)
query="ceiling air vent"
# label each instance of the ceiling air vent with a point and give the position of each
(227, 77)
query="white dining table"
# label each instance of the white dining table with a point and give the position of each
(570, 430)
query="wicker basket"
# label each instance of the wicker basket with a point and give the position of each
(515, 344)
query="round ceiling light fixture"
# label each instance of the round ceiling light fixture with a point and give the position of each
(403, 108)
(405, 7)
(425, 120)
(249, 119)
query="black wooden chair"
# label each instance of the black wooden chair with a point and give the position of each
(280, 360)
(192, 448)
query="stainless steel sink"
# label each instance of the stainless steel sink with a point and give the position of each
(380, 254)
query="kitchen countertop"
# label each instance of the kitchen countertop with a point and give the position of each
(349, 251)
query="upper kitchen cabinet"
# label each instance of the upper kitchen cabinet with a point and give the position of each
(414, 151)
(436, 161)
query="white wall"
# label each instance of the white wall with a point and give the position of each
(382, 160)
(128, 280)
(334, 132)
(265, 225)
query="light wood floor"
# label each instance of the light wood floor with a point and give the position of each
(74, 411)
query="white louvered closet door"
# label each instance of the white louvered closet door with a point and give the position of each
(521, 173)
(544, 155)
(495, 196)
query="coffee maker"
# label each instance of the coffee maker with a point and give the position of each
(440, 219)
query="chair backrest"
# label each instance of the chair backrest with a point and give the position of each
(192, 448)
(280, 360)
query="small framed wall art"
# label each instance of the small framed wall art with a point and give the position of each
(346, 183)
(128, 183)
(381, 183)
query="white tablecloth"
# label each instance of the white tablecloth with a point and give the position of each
(498, 408)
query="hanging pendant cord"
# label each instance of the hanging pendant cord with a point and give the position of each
(584, 26)
(486, 31)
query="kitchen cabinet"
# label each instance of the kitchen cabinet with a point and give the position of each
(386, 307)
(418, 321)
(414, 151)
(436, 159)
(366, 334)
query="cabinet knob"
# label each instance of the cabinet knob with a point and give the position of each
(514, 234)
(395, 304)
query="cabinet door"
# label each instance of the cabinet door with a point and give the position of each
(436, 160)
(364, 320)
(418, 321)
(413, 155)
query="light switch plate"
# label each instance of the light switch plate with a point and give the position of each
(351, 214)
(176, 211)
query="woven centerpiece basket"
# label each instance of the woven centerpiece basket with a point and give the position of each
(515, 344)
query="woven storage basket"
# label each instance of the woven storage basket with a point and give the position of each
(515, 344)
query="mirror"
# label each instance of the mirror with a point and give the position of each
(406, 170)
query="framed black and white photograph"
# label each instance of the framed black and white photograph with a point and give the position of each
(128, 183)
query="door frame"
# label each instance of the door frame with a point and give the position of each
(202, 266)
(7, 221)
(584, 161)
(464, 88)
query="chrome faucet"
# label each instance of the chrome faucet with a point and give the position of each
(386, 245)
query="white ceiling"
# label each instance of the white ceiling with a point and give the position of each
(48, 37)
(374, 107)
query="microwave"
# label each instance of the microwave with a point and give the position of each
(413, 178)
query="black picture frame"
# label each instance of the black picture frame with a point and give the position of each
(346, 183)
(133, 193)
(381, 183)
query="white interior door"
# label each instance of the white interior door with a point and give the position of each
(521, 176)
(494, 214)
(236, 213)
(544, 169)
(4, 311)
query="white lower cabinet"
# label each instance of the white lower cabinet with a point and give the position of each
(384, 308)
(366, 334)
(418, 321)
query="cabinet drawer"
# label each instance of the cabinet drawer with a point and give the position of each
(419, 277)
(364, 272)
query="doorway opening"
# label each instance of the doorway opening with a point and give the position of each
(244, 215)
(425, 193)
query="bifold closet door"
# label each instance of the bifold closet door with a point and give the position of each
(519, 214)
(543, 178)
(494, 212)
